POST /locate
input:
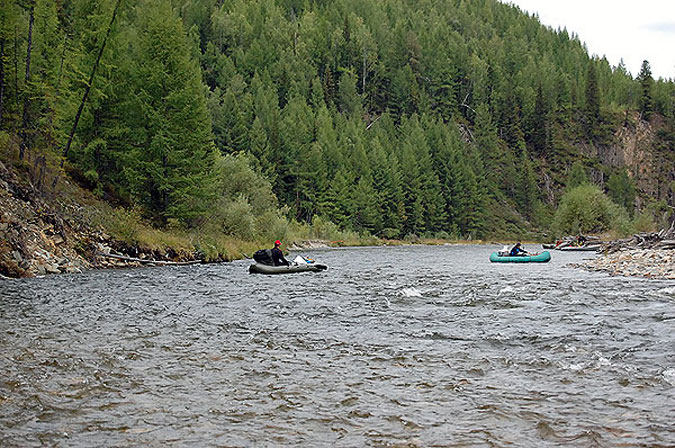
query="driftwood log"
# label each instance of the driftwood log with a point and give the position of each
(146, 261)
(665, 239)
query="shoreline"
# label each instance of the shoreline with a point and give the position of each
(104, 252)
(658, 264)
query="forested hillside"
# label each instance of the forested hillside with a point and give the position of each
(447, 118)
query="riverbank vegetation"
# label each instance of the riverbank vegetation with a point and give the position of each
(220, 125)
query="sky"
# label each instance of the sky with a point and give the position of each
(628, 29)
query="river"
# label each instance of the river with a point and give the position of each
(390, 347)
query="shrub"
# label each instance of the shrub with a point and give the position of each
(586, 209)
(324, 229)
(644, 223)
(236, 219)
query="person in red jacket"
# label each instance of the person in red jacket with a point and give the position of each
(278, 256)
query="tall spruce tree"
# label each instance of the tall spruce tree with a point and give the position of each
(592, 101)
(540, 133)
(527, 197)
(170, 143)
(647, 86)
(621, 189)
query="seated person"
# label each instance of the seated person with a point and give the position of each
(278, 256)
(517, 251)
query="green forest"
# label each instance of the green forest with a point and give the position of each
(391, 118)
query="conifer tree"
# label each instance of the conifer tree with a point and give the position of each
(297, 133)
(527, 197)
(577, 176)
(260, 152)
(387, 184)
(592, 101)
(621, 189)
(4, 19)
(349, 101)
(229, 124)
(511, 123)
(169, 139)
(338, 202)
(540, 124)
(487, 141)
(26, 133)
(646, 84)
(10, 19)
(367, 212)
(101, 46)
(266, 111)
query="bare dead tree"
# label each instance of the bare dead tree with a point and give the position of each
(26, 103)
(2, 75)
(16, 67)
(89, 84)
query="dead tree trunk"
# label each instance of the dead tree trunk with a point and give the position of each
(2, 75)
(16, 68)
(89, 84)
(24, 121)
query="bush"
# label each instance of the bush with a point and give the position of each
(324, 229)
(271, 225)
(235, 178)
(644, 223)
(586, 209)
(660, 212)
(236, 219)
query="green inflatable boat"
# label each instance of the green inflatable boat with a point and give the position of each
(259, 268)
(543, 257)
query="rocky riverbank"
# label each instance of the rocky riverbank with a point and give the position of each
(651, 263)
(51, 231)
(42, 233)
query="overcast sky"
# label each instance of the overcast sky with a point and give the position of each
(628, 29)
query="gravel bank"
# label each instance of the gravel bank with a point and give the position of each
(651, 263)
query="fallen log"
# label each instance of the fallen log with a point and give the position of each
(665, 239)
(666, 244)
(146, 261)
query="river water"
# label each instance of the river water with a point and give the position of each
(391, 346)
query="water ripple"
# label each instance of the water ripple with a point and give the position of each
(407, 346)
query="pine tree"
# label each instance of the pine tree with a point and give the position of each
(387, 184)
(267, 113)
(339, 200)
(621, 189)
(229, 124)
(527, 197)
(487, 141)
(540, 124)
(170, 140)
(577, 176)
(100, 49)
(647, 85)
(511, 125)
(259, 150)
(297, 133)
(349, 101)
(367, 213)
(592, 101)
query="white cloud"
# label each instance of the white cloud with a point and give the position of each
(661, 27)
(617, 29)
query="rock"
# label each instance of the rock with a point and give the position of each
(650, 263)
(16, 255)
(52, 268)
